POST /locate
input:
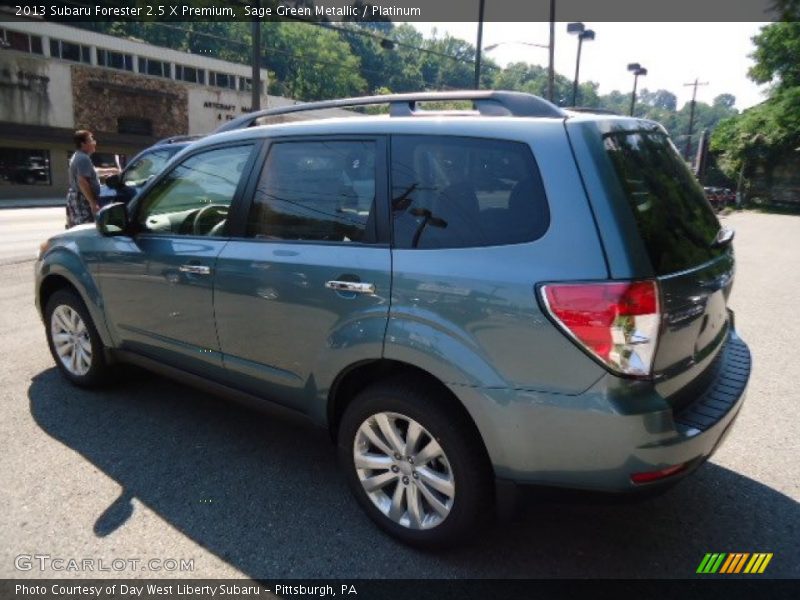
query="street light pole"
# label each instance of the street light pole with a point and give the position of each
(255, 80)
(583, 34)
(551, 72)
(637, 70)
(478, 48)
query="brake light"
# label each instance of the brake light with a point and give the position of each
(617, 322)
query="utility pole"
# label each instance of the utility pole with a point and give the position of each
(688, 151)
(478, 49)
(255, 104)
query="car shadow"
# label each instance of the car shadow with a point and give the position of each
(265, 495)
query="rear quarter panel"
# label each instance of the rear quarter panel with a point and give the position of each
(470, 315)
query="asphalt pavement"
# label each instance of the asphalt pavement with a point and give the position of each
(22, 230)
(149, 469)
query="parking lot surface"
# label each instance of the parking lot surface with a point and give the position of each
(154, 471)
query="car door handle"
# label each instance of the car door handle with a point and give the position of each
(351, 286)
(195, 269)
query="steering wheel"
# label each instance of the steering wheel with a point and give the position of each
(208, 219)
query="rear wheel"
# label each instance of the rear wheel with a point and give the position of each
(416, 469)
(73, 340)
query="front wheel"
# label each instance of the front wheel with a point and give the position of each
(417, 469)
(73, 340)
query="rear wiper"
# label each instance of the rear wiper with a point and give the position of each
(723, 238)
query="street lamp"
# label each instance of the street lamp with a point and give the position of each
(583, 34)
(637, 70)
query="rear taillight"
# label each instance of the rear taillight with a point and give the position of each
(617, 322)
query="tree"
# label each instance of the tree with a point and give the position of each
(776, 55)
(725, 101)
(316, 63)
(662, 99)
(766, 134)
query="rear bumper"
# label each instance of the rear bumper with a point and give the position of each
(598, 439)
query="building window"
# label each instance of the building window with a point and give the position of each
(14, 40)
(69, 51)
(21, 166)
(135, 125)
(114, 60)
(150, 66)
(222, 80)
(190, 74)
(246, 85)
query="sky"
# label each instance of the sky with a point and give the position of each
(673, 54)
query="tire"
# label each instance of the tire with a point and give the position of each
(405, 502)
(69, 326)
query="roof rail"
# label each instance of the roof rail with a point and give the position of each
(489, 103)
(589, 109)
(179, 138)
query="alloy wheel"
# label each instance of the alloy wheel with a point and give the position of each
(71, 340)
(404, 470)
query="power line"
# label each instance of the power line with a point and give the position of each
(304, 57)
(358, 31)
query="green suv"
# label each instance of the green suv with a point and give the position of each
(467, 300)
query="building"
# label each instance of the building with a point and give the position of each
(55, 79)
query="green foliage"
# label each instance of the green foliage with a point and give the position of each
(313, 63)
(777, 55)
(762, 136)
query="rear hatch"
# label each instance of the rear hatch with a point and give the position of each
(690, 253)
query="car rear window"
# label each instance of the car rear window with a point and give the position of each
(676, 222)
(458, 192)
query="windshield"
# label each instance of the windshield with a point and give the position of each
(676, 222)
(147, 166)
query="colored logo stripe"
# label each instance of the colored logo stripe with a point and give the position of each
(734, 562)
(710, 563)
(758, 563)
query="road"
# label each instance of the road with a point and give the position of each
(152, 470)
(23, 229)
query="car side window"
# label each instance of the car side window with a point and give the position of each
(194, 197)
(457, 192)
(316, 191)
(145, 167)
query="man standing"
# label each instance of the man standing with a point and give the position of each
(84, 185)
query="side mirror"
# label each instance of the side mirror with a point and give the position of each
(112, 220)
(114, 181)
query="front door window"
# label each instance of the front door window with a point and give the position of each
(194, 198)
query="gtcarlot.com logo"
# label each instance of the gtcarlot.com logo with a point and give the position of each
(46, 562)
(734, 563)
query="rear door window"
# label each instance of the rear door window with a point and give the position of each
(676, 222)
(456, 192)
